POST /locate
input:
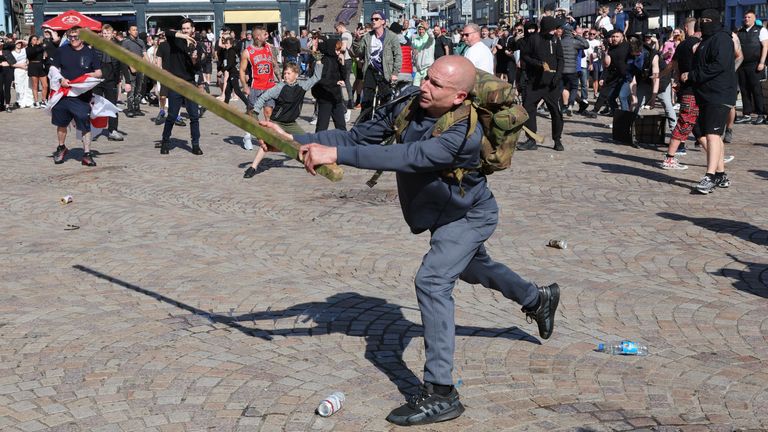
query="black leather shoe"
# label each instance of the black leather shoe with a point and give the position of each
(129, 114)
(530, 144)
(559, 146)
(544, 315)
(743, 120)
(196, 150)
(250, 172)
(138, 113)
(165, 147)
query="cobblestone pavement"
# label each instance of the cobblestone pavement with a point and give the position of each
(173, 294)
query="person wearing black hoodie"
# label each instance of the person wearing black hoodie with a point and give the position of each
(543, 57)
(327, 92)
(713, 77)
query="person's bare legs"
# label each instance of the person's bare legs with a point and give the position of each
(61, 134)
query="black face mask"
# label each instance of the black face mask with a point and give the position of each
(547, 36)
(709, 28)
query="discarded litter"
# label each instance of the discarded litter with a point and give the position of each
(558, 244)
(71, 227)
(624, 347)
(331, 404)
(66, 199)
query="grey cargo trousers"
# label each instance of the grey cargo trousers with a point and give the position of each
(457, 252)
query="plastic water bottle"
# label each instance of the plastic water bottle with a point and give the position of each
(331, 404)
(623, 348)
(247, 143)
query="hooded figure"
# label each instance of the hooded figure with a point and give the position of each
(327, 91)
(713, 74)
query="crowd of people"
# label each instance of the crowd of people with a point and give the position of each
(559, 67)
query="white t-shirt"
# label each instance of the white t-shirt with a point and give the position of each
(604, 23)
(763, 34)
(481, 56)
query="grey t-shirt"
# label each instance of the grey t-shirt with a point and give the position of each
(348, 39)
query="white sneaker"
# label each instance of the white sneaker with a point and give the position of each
(347, 115)
(247, 144)
(143, 101)
(672, 163)
(728, 158)
(313, 121)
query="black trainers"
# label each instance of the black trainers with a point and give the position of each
(559, 146)
(544, 315)
(88, 160)
(250, 172)
(427, 407)
(530, 144)
(196, 150)
(165, 147)
(60, 154)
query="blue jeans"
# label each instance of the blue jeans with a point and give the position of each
(625, 96)
(457, 252)
(175, 101)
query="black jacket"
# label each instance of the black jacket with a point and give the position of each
(539, 50)
(328, 89)
(713, 75)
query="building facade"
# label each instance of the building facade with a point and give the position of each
(735, 10)
(150, 15)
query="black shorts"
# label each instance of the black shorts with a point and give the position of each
(713, 118)
(207, 67)
(36, 69)
(571, 81)
(72, 108)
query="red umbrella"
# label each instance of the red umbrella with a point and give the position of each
(72, 18)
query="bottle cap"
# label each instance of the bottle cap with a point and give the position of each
(600, 347)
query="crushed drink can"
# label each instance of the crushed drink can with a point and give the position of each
(331, 404)
(66, 199)
(558, 244)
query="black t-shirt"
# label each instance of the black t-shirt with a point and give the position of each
(684, 58)
(179, 57)
(440, 45)
(164, 52)
(291, 46)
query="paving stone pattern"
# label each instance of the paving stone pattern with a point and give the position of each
(192, 299)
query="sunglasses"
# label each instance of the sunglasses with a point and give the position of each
(73, 37)
(467, 34)
(375, 19)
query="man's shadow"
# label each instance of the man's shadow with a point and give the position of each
(743, 230)
(386, 331)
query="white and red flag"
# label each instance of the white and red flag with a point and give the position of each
(101, 108)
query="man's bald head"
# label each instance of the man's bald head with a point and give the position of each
(449, 82)
(459, 70)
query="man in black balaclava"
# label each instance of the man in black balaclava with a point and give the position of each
(529, 30)
(713, 77)
(543, 57)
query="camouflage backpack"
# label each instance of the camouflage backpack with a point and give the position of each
(492, 103)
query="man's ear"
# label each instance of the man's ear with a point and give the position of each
(461, 96)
